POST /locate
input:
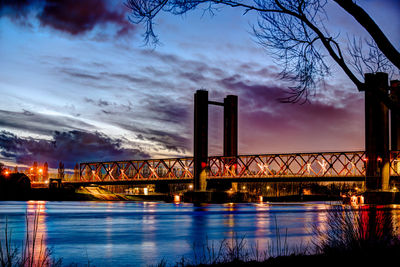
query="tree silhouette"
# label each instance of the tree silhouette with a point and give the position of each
(61, 170)
(295, 32)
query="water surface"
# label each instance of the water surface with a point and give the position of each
(143, 233)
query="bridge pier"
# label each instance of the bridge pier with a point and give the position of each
(376, 132)
(231, 126)
(200, 139)
(395, 116)
(395, 122)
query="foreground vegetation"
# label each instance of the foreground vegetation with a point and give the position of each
(33, 252)
(366, 235)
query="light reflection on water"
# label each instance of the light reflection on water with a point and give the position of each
(143, 233)
(37, 230)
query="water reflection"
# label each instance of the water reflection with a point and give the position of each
(140, 234)
(36, 237)
(229, 220)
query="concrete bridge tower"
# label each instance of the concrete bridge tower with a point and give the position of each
(200, 147)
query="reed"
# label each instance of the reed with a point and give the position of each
(356, 230)
(237, 250)
(32, 253)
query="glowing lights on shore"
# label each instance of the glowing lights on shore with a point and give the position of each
(356, 200)
(177, 198)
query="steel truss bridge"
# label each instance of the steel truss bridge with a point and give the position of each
(296, 167)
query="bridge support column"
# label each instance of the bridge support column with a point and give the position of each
(395, 121)
(231, 130)
(231, 126)
(395, 116)
(200, 139)
(376, 132)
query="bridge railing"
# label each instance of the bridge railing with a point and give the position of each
(328, 164)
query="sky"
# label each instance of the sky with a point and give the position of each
(78, 84)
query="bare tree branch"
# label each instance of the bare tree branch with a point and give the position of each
(373, 29)
(294, 31)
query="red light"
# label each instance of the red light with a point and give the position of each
(365, 159)
(379, 159)
(203, 165)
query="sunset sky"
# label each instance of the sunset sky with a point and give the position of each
(78, 84)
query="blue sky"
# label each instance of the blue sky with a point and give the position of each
(78, 84)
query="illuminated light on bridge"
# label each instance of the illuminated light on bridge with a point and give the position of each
(177, 198)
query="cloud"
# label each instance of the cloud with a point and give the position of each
(70, 16)
(331, 121)
(38, 123)
(264, 124)
(69, 147)
(162, 140)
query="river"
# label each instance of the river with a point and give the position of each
(144, 233)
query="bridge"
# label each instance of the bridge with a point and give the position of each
(296, 167)
(377, 165)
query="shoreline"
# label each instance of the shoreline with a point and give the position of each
(100, 194)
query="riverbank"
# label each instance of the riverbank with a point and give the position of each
(97, 193)
(351, 258)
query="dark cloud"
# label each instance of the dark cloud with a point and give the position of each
(69, 147)
(161, 139)
(70, 16)
(170, 141)
(166, 109)
(99, 102)
(38, 123)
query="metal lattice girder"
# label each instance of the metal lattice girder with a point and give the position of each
(328, 164)
(288, 165)
(151, 169)
(395, 163)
